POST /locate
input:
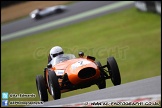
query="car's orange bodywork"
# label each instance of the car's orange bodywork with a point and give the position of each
(72, 68)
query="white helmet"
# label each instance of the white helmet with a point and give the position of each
(55, 51)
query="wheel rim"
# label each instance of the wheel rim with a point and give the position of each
(40, 94)
(112, 78)
(110, 72)
(51, 88)
(48, 82)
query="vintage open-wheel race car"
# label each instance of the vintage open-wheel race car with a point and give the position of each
(66, 72)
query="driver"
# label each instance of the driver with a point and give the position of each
(55, 51)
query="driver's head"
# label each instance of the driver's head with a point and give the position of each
(55, 51)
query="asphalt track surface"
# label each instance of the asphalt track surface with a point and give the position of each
(146, 86)
(72, 9)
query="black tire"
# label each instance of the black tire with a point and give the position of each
(113, 71)
(54, 85)
(41, 88)
(37, 17)
(102, 83)
(58, 10)
(98, 63)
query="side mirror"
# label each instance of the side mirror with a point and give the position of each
(81, 54)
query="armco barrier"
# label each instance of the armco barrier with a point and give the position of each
(149, 6)
(158, 6)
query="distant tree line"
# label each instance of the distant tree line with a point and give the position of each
(9, 3)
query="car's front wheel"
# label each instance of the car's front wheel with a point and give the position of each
(41, 88)
(54, 85)
(113, 71)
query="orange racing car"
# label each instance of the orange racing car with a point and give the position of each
(66, 72)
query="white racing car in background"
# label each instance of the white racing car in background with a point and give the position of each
(42, 12)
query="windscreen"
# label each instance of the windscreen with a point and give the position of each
(61, 58)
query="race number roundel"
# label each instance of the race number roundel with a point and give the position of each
(79, 64)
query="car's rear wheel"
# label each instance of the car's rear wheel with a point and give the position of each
(54, 85)
(41, 88)
(113, 71)
(102, 83)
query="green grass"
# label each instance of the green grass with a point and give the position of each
(132, 37)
